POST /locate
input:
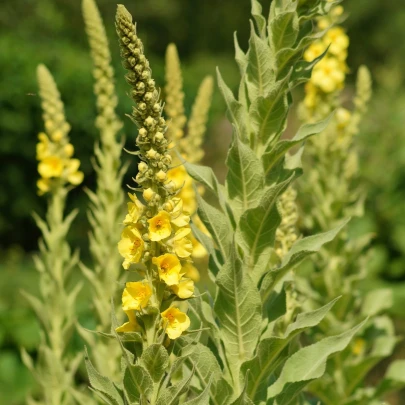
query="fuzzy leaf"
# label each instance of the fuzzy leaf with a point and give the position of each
(298, 252)
(394, 379)
(245, 177)
(257, 228)
(171, 395)
(236, 111)
(155, 360)
(258, 16)
(259, 72)
(203, 398)
(265, 361)
(377, 301)
(138, 383)
(283, 30)
(238, 309)
(102, 384)
(274, 153)
(306, 365)
(217, 225)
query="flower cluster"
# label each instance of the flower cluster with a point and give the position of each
(330, 72)
(54, 152)
(156, 237)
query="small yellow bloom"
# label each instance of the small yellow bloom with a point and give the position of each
(131, 325)
(178, 175)
(42, 146)
(135, 296)
(69, 150)
(175, 322)
(328, 75)
(342, 117)
(57, 136)
(337, 39)
(177, 215)
(43, 186)
(358, 346)
(131, 246)
(181, 244)
(159, 226)
(185, 289)
(313, 51)
(169, 268)
(51, 166)
(135, 209)
(74, 176)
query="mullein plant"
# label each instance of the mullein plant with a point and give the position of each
(328, 193)
(156, 248)
(107, 202)
(56, 365)
(186, 137)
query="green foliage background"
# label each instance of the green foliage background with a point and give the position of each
(52, 32)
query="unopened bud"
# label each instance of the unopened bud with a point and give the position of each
(148, 194)
(142, 167)
(151, 153)
(161, 176)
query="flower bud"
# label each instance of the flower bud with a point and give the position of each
(57, 136)
(149, 122)
(142, 167)
(159, 136)
(151, 153)
(161, 176)
(148, 194)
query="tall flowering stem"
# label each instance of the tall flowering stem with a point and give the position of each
(155, 240)
(106, 203)
(329, 193)
(56, 365)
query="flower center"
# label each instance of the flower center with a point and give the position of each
(158, 224)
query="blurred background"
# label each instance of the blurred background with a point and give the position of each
(52, 32)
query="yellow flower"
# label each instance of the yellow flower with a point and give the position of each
(135, 209)
(177, 216)
(185, 289)
(313, 51)
(358, 346)
(181, 244)
(130, 246)
(131, 325)
(337, 39)
(57, 135)
(328, 75)
(42, 146)
(135, 296)
(199, 250)
(342, 117)
(74, 176)
(43, 186)
(159, 226)
(69, 150)
(191, 272)
(175, 322)
(178, 175)
(51, 166)
(169, 268)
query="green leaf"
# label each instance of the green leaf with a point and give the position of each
(236, 111)
(203, 398)
(238, 309)
(171, 395)
(306, 365)
(217, 225)
(260, 69)
(102, 384)
(274, 153)
(240, 57)
(377, 301)
(283, 30)
(155, 359)
(257, 229)
(298, 252)
(244, 181)
(268, 351)
(138, 383)
(258, 16)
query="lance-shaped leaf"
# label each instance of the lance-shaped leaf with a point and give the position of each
(102, 384)
(274, 153)
(257, 229)
(268, 112)
(138, 384)
(203, 398)
(298, 252)
(236, 111)
(306, 365)
(260, 69)
(155, 359)
(245, 177)
(171, 395)
(217, 224)
(283, 30)
(238, 309)
(259, 19)
(268, 351)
